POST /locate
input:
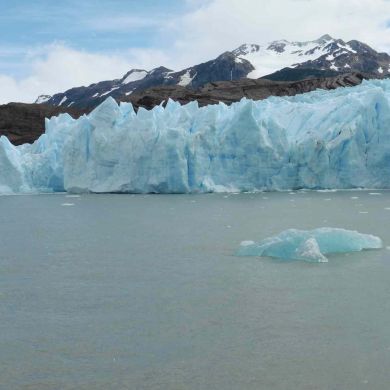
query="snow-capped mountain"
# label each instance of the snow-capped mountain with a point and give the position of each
(224, 67)
(96, 93)
(324, 57)
(325, 53)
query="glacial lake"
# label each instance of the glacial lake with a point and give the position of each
(143, 292)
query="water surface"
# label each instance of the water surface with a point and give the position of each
(144, 292)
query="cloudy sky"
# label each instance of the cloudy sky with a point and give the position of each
(48, 46)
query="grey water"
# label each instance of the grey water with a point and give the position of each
(144, 292)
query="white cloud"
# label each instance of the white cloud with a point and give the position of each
(224, 24)
(57, 67)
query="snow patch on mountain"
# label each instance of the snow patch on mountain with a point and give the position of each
(109, 91)
(42, 99)
(134, 75)
(185, 79)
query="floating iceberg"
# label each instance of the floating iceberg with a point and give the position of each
(319, 140)
(310, 245)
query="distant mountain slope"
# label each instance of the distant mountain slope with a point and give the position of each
(25, 122)
(296, 74)
(224, 67)
(351, 56)
(232, 91)
(325, 53)
(325, 56)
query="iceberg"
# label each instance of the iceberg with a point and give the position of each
(310, 245)
(318, 140)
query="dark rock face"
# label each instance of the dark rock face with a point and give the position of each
(23, 123)
(224, 68)
(278, 47)
(294, 74)
(232, 91)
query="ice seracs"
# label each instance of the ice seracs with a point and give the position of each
(310, 245)
(319, 140)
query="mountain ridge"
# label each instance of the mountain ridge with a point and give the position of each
(325, 54)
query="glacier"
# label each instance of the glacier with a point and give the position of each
(318, 140)
(310, 245)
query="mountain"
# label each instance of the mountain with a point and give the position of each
(325, 53)
(297, 74)
(224, 67)
(23, 123)
(279, 60)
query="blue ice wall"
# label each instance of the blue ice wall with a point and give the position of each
(322, 139)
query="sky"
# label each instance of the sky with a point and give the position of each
(47, 46)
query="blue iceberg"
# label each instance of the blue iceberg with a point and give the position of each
(319, 140)
(310, 245)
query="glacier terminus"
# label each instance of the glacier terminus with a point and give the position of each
(319, 140)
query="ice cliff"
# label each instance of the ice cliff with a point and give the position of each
(318, 140)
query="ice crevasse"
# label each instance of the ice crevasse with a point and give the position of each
(318, 140)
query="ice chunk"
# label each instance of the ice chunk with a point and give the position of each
(310, 245)
(247, 243)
